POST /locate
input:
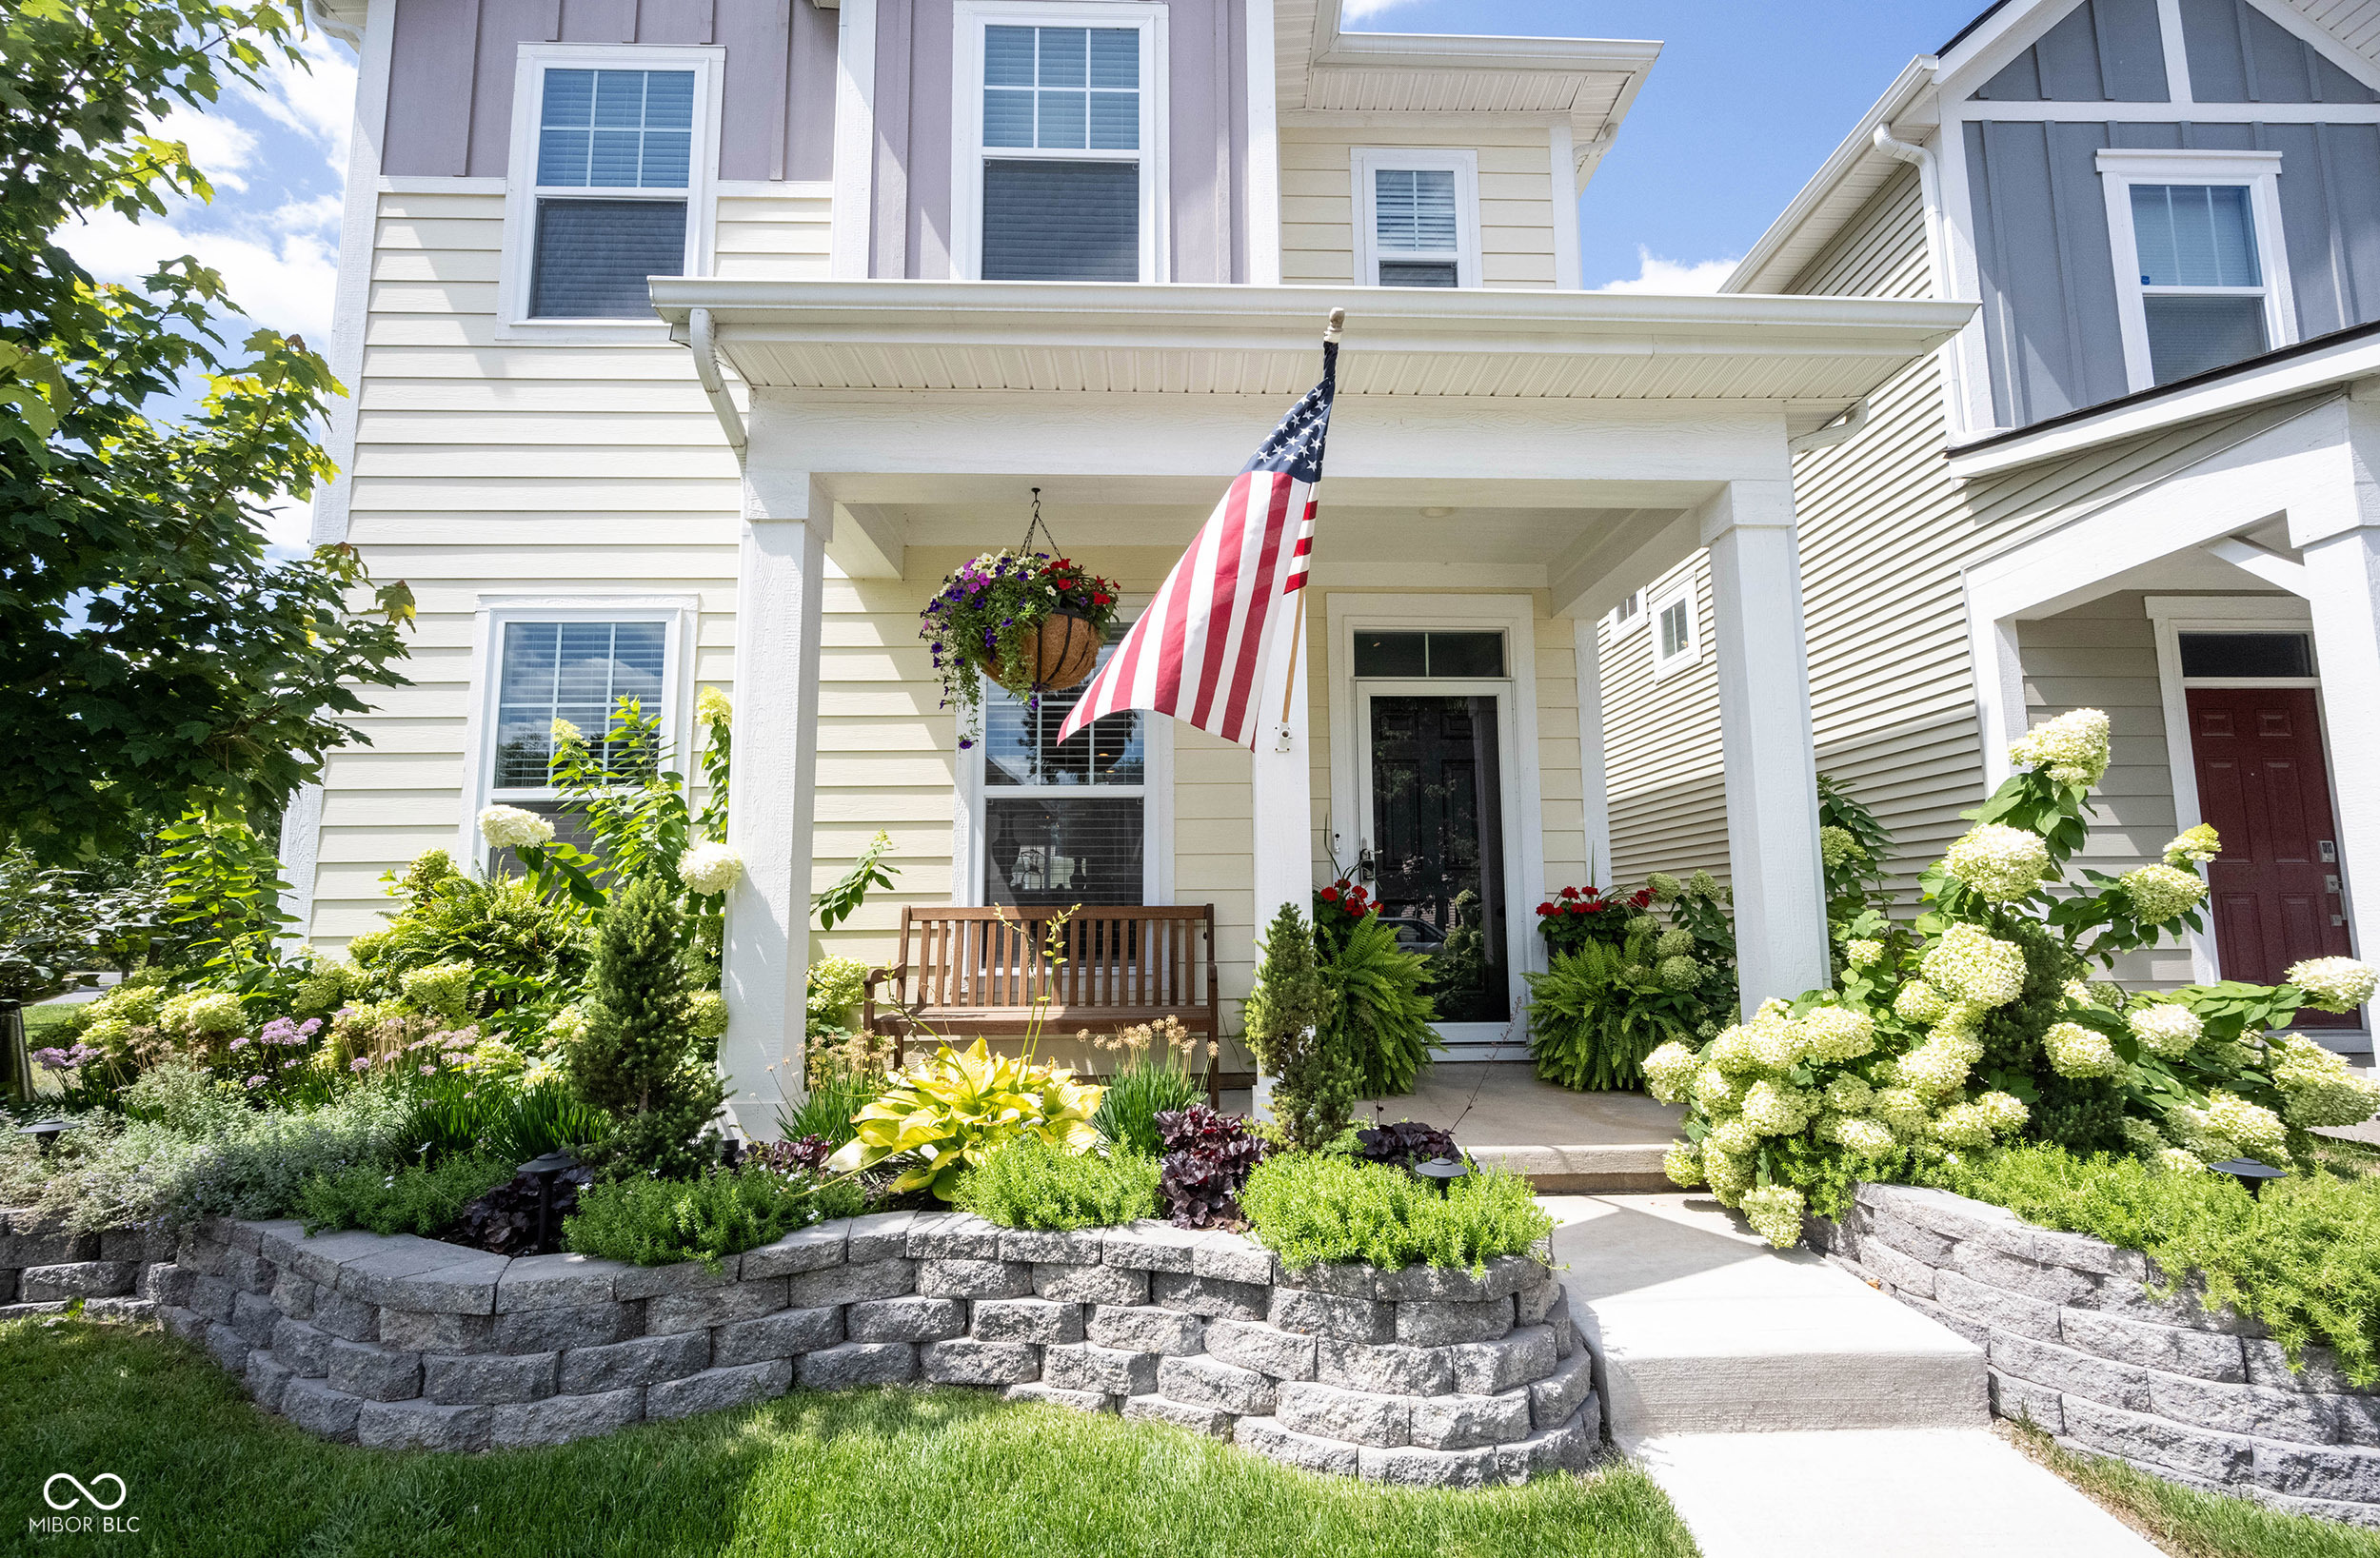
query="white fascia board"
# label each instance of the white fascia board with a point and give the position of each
(1999, 38)
(1465, 51)
(2314, 370)
(1858, 151)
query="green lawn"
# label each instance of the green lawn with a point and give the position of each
(2190, 1524)
(941, 1474)
(41, 1020)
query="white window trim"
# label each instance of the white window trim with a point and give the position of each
(2173, 616)
(1665, 667)
(1463, 162)
(1621, 626)
(701, 193)
(2260, 172)
(678, 613)
(1523, 798)
(969, 18)
(1156, 819)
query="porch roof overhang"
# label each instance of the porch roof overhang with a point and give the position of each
(1810, 356)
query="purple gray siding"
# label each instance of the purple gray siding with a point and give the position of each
(2238, 54)
(452, 65)
(1206, 134)
(2101, 51)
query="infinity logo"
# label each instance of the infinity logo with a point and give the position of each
(50, 1496)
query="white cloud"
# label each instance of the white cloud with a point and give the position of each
(220, 145)
(283, 273)
(1352, 11)
(1672, 278)
(317, 102)
(288, 522)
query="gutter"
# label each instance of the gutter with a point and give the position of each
(1914, 81)
(1834, 432)
(705, 350)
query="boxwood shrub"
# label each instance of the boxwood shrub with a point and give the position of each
(1028, 1183)
(1311, 1207)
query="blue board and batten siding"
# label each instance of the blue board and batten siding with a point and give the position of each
(2042, 249)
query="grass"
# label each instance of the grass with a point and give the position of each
(936, 1474)
(40, 1021)
(2188, 1523)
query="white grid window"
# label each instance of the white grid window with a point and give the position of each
(572, 671)
(2202, 278)
(1416, 217)
(1676, 636)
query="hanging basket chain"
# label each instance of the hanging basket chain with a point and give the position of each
(1024, 547)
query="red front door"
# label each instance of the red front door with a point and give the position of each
(2262, 782)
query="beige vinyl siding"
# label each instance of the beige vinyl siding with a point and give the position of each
(484, 467)
(1664, 782)
(1515, 200)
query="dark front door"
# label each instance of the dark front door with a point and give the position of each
(2262, 782)
(1438, 851)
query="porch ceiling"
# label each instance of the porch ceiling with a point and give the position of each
(1812, 356)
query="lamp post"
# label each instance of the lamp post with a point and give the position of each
(546, 1169)
(46, 1133)
(2249, 1172)
(1443, 1172)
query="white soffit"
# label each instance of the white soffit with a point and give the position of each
(2354, 23)
(1058, 337)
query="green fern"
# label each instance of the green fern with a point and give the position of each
(1380, 1012)
(1597, 1012)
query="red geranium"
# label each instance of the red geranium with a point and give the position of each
(1330, 895)
(1547, 909)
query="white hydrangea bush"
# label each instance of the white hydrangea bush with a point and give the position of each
(1984, 1026)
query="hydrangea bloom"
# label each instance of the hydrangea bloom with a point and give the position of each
(1902, 1109)
(441, 987)
(1703, 885)
(2335, 984)
(1683, 1164)
(1837, 845)
(566, 734)
(1975, 1123)
(2077, 1051)
(1679, 972)
(1779, 1041)
(2004, 1110)
(1668, 1071)
(202, 1014)
(509, 827)
(1968, 965)
(1837, 1033)
(1870, 1138)
(2230, 1126)
(1938, 1066)
(1718, 1092)
(712, 708)
(709, 868)
(1861, 953)
(2317, 1087)
(1774, 1214)
(1775, 1110)
(2169, 1030)
(1673, 944)
(2179, 1160)
(1733, 1136)
(1849, 1095)
(1918, 1002)
(568, 1026)
(707, 1014)
(2196, 847)
(2001, 863)
(2073, 748)
(1664, 887)
(2161, 893)
(1728, 1175)
(1736, 1051)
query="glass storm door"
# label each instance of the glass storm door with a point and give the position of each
(1436, 832)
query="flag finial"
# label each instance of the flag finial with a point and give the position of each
(1330, 332)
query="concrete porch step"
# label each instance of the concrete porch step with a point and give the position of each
(1590, 1169)
(1699, 1326)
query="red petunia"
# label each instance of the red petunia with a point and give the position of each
(1330, 895)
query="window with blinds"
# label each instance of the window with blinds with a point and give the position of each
(615, 158)
(573, 671)
(1414, 235)
(1062, 159)
(1063, 823)
(2202, 285)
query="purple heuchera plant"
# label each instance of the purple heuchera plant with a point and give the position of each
(1207, 1158)
(1404, 1144)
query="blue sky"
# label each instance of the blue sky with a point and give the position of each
(1749, 98)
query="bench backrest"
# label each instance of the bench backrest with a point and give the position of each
(1124, 958)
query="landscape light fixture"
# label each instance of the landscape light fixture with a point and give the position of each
(48, 1131)
(546, 1169)
(2249, 1172)
(1443, 1172)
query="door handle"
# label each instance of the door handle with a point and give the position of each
(2329, 884)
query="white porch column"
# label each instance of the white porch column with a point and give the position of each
(2341, 545)
(1281, 778)
(773, 793)
(1594, 794)
(1764, 727)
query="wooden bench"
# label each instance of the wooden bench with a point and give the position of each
(969, 973)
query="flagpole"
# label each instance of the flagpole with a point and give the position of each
(1298, 622)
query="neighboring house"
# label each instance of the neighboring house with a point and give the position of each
(2141, 480)
(911, 259)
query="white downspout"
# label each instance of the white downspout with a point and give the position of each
(1834, 432)
(706, 369)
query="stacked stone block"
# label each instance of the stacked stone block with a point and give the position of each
(2078, 1344)
(115, 1272)
(1425, 1376)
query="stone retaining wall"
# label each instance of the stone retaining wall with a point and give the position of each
(1423, 1376)
(2077, 1343)
(114, 1274)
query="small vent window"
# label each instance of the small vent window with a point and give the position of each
(2247, 655)
(1406, 656)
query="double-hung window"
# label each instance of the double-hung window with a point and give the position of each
(2201, 279)
(1058, 138)
(1063, 822)
(612, 150)
(546, 669)
(1676, 634)
(1416, 217)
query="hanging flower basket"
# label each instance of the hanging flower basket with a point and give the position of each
(1029, 622)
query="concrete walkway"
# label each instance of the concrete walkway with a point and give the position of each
(1787, 1408)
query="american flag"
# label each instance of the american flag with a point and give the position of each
(1199, 650)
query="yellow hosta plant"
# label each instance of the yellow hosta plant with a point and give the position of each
(946, 1116)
